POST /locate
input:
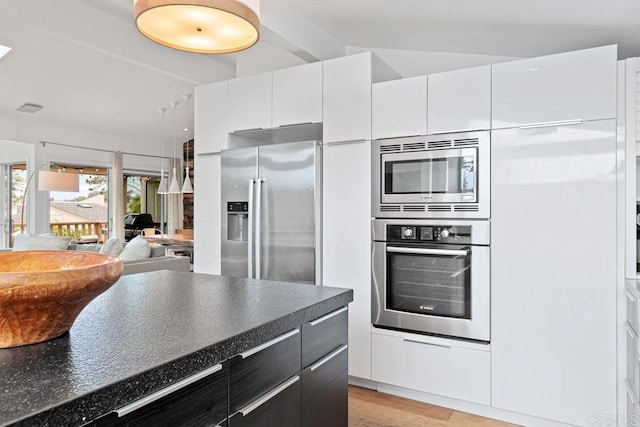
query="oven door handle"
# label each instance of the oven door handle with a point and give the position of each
(449, 252)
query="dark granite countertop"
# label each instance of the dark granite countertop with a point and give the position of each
(147, 331)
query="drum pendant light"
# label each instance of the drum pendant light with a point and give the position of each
(201, 26)
(174, 188)
(186, 185)
(162, 188)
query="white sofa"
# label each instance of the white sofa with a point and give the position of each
(157, 259)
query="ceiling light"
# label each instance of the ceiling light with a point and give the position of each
(202, 26)
(30, 108)
(4, 50)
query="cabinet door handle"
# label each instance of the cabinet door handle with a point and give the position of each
(268, 344)
(354, 141)
(167, 390)
(264, 399)
(247, 130)
(294, 124)
(427, 343)
(329, 357)
(549, 124)
(328, 316)
(629, 393)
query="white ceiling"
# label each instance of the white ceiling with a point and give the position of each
(90, 68)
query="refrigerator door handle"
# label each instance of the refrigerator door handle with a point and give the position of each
(259, 182)
(250, 236)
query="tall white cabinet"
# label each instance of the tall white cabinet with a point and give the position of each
(553, 271)
(346, 240)
(553, 238)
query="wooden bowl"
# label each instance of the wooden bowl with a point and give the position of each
(42, 292)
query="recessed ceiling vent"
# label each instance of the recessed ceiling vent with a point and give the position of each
(30, 108)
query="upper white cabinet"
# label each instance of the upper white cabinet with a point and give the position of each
(346, 109)
(211, 118)
(399, 108)
(459, 100)
(578, 85)
(250, 102)
(297, 95)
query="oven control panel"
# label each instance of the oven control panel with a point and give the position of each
(421, 233)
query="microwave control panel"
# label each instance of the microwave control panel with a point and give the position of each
(421, 233)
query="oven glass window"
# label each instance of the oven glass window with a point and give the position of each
(445, 175)
(436, 285)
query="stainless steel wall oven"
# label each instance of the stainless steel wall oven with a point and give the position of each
(432, 276)
(442, 176)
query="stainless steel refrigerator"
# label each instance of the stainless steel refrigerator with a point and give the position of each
(271, 212)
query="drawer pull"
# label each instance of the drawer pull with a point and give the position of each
(328, 316)
(166, 391)
(269, 343)
(427, 343)
(261, 401)
(329, 357)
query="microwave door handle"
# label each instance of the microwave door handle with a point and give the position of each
(418, 251)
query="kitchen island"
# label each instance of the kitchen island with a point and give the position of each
(194, 347)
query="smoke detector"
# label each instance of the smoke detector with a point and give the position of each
(30, 108)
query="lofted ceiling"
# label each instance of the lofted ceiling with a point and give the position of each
(86, 63)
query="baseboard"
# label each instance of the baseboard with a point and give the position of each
(361, 382)
(458, 405)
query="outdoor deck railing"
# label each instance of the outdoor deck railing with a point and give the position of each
(77, 229)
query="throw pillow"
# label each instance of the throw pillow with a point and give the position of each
(28, 242)
(112, 247)
(137, 249)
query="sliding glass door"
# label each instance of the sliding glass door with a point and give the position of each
(12, 186)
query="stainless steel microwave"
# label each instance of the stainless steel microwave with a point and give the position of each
(436, 176)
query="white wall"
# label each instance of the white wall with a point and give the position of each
(28, 129)
(412, 63)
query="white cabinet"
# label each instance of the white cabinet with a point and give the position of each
(206, 216)
(211, 119)
(346, 240)
(553, 270)
(459, 100)
(250, 102)
(297, 95)
(399, 108)
(346, 109)
(434, 365)
(578, 85)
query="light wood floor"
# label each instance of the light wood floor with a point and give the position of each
(369, 408)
